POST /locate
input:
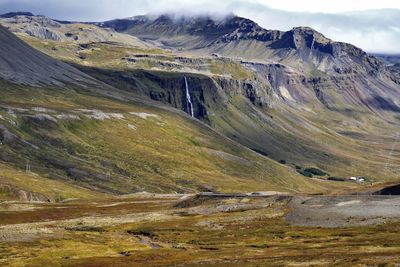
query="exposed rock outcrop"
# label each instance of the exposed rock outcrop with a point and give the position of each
(6, 136)
(15, 193)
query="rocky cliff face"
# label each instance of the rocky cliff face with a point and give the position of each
(168, 88)
(395, 71)
(280, 112)
(301, 47)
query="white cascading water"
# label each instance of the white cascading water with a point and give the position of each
(189, 99)
(312, 47)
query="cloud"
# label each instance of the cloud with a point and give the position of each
(333, 6)
(372, 30)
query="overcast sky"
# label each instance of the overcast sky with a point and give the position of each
(373, 25)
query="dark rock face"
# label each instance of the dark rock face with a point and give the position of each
(245, 29)
(301, 38)
(167, 88)
(12, 140)
(258, 95)
(171, 90)
(77, 174)
(40, 121)
(6, 136)
(395, 73)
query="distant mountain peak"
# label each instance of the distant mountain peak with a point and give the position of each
(19, 13)
(302, 48)
(310, 32)
(232, 36)
(304, 38)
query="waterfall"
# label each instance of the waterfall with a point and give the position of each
(188, 99)
(312, 47)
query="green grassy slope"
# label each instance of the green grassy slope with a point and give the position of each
(341, 141)
(115, 147)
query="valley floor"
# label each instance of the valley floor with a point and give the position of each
(256, 229)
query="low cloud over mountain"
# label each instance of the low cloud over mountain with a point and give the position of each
(372, 30)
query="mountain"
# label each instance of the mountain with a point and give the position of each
(14, 14)
(295, 99)
(307, 58)
(194, 141)
(67, 140)
(389, 59)
(234, 36)
(290, 83)
(22, 64)
(307, 54)
(43, 27)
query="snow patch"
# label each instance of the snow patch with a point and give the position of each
(144, 115)
(117, 116)
(63, 116)
(43, 110)
(132, 127)
(100, 115)
(13, 109)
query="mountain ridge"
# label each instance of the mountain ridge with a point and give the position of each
(204, 34)
(106, 139)
(303, 107)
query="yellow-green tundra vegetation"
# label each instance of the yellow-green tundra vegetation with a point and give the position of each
(160, 230)
(77, 162)
(112, 146)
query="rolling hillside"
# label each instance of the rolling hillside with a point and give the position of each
(325, 105)
(176, 140)
(78, 139)
(301, 97)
